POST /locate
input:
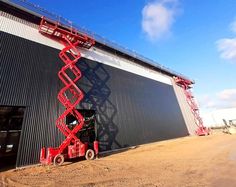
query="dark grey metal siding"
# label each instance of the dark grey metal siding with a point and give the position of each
(29, 78)
(132, 109)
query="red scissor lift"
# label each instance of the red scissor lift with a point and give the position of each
(186, 85)
(70, 95)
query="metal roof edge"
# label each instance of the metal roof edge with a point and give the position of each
(38, 11)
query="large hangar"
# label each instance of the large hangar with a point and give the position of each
(135, 100)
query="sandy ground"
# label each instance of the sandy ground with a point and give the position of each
(190, 161)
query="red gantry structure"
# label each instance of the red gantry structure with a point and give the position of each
(186, 85)
(70, 95)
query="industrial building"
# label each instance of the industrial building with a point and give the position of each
(214, 119)
(136, 100)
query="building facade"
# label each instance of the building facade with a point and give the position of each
(136, 102)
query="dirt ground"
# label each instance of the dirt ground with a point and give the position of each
(190, 161)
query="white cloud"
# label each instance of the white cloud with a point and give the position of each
(227, 48)
(233, 26)
(223, 99)
(158, 17)
(228, 94)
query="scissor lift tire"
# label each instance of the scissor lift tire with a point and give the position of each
(90, 154)
(58, 160)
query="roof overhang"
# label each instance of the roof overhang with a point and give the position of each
(33, 13)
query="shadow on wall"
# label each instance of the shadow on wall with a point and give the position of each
(96, 97)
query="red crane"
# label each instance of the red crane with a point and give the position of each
(70, 95)
(186, 85)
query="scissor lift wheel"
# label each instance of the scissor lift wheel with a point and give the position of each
(58, 160)
(89, 154)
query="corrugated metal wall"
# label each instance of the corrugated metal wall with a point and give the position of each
(21, 28)
(132, 109)
(29, 78)
(185, 108)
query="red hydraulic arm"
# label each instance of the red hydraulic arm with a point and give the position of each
(186, 85)
(70, 95)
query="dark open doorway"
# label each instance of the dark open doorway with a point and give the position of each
(88, 132)
(11, 118)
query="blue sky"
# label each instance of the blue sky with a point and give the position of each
(194, 37)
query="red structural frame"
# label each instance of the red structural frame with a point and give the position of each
(70, 95)
(186, 85)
